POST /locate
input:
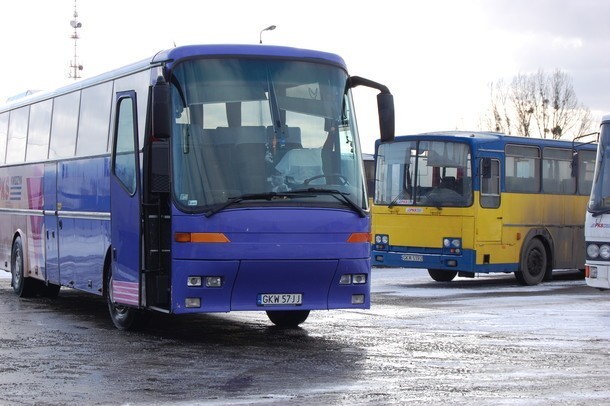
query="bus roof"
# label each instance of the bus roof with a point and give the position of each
(173, 55)
(185, 52)
(482, 137)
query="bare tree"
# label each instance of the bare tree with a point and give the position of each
(500, 120)
(540, 105)
(522, 93)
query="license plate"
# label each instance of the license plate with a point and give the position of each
(279, 299)
(416, 258)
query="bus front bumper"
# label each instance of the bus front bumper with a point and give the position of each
(597, 276)
(200, 286)
(464, 262)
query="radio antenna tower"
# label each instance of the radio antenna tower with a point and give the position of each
(75, 67)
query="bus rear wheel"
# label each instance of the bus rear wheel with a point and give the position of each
(123, 317)
(287, 318)
(442, 276)
(22, 286)
(533, 265)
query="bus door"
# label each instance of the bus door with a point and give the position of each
(50, 224)
(125, 203)
(489, 219)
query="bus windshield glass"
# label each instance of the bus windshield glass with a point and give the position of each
(600, 192)
(424, 173)
(263, 132)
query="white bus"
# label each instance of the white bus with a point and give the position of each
(597, 223)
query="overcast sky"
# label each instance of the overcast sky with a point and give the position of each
(438, 57)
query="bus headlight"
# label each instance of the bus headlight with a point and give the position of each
(359, 278)
(193, 281)
(604, 251)
(453, 245)
(381, 242)
(592, 250)
(381, 239)
(452, 242)
(213, 281)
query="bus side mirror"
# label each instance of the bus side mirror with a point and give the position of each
(161, 117)
(574, 164)
(385, 107)
(486, 168)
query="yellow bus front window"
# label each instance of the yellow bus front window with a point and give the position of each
(424, 173)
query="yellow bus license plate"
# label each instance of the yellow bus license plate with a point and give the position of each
(416, 258)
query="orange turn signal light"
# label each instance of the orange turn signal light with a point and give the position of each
(359, 237)
(201, 237)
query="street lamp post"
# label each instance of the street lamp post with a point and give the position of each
(260, 35)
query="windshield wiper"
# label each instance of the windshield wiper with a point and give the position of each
(251, 196)
(394, 200)
(337, 194)
(599, 212)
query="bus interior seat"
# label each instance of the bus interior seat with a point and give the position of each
(448, 182)
(217, 153)
(464, 187)
(250, 150)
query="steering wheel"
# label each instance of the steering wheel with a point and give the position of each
(343, 180)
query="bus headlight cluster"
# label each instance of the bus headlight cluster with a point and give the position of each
(210, 281)
(595, 250)
(356, 279)
(454, 245)
(381, 242)
(382, 239)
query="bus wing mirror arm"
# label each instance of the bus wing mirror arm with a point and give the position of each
(161, 123)
(574, 164)
(385, 106)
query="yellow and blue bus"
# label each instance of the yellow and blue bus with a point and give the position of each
(369, 172)
(207, 178)
(597, 224)
(462, 203)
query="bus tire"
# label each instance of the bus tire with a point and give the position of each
(287, 318)
(533, 266)
(442, 276)
(22, 286)
(123, 317)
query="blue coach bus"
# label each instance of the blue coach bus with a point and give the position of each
(209, 178)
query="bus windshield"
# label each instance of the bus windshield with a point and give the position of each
(600, 192)
(261, 132)
(424, 173)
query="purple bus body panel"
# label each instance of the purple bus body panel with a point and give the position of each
(21, 189)
(50, 223)
(83, 190)
(280, 250)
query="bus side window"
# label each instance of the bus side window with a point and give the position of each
(586, 169)
(490, 183)
(124, 161)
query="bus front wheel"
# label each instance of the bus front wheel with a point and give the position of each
(287, 318)
(123, 317)
(442, 276)
(532, 268)
(22, 286)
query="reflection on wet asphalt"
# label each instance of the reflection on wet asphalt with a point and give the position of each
(471, 341)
